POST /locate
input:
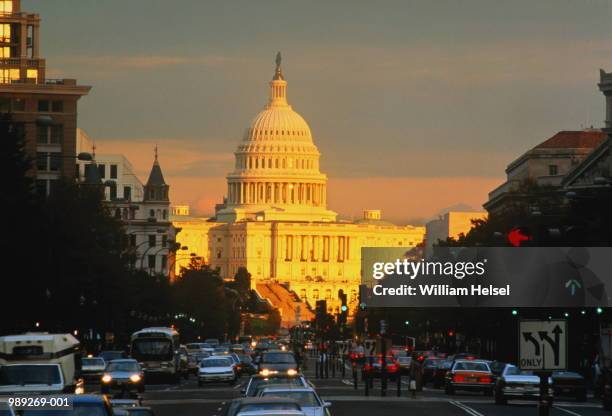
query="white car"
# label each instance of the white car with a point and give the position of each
(307, 397)
(217, 368)
(514, 383)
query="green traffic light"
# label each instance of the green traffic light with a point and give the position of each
(514, 312)
(599, 310)
(343, 308)
(407, 322)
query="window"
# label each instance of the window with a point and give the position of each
(553, 170)
(164, 240)
(113, 171)
(49, 134)
(127, 192)
(341, 248)
(57, 106)
(5, 105)
(152, 240)
(41, 161)
(8, 75)
(6, 6)
(304, 252)
(32, 74)
(55, 162)
(102, 170)
(5, 32)
(133, 240)
(326, 248)
(48, 162)
(289, 248)
(152, 261)
(152, 213)
(18, 104)
(43, 106)
(113, 192)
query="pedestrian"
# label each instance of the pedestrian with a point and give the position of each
(415, 373)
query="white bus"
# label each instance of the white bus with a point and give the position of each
(157, 351)
(41, 363)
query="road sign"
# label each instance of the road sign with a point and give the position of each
(543, 345)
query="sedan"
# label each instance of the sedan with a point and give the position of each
(92, 368)
(260, 406)
(470, 375)
(514, 383)
(124, 375)
(217, 368)
(309, 400)
(569, 383)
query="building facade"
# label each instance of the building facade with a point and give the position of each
(451, 224)
(275, 221)
(46, 108)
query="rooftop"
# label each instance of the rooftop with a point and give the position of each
(571, 139)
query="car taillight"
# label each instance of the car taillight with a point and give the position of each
(367, 367)
(392, 367)
(458, 378)
(486, 379)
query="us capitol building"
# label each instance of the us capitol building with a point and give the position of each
(275, 222)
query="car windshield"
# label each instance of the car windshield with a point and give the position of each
(221, 362)
(111, 355)
(93, 361)
(29, 374)
(471, 366)
(245, 359)
(80, 409)
(123, 366)
(258, 383)
(278, 358)
(304, 398)
(253, 407)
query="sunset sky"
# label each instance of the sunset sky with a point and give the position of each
(416, 106)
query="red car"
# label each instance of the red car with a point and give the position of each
(372, 368)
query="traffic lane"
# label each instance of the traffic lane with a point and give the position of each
(391, 408)
(172, 408)
(526, 408)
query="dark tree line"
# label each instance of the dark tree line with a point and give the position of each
(66, 269)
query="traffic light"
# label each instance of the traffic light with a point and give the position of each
(599, 310)
(451, 333)
(519, 236)
(342, 317)
(514, 312)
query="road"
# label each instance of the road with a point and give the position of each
(187, 399)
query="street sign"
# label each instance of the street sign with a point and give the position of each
(543, 345)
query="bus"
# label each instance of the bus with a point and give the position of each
(40, 362)
(157, 351)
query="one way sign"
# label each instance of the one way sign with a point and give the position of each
(543, 345)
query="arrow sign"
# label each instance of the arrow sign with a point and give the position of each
(542, 345)
(573, 284)
(529, 338)
(516, 237)
(557, 331)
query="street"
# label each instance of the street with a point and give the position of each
(189, 400)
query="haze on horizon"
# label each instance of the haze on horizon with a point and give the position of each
(416, 106)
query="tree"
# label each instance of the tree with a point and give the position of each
(242, 280)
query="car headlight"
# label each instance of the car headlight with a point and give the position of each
(106, 378)
(291, 372)
(265, 372)
(79, 390)
(135, 378)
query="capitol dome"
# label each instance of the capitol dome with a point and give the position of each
(276, 173)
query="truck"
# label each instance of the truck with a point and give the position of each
(40, 362)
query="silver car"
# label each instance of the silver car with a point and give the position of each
(307, 397)
(217, 368)
(514, 383)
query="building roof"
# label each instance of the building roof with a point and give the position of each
(571, 139)
(156, 177)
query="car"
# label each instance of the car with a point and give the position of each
(121, 406)
(372, 368)
(430, 366)
(195, 359)
(309, 400)
(221, 350)
(259, 405)
(112, 355)
(514, 383)
(470, 375)
(569, 383)
(278, 379)
(124, 375)
(497, 367)
(443, 366)
(404, 364)
(237, 348)
(196, 347)
(5, 409)
(245, 366)
(214, 342)
(139, 411)
(92, 368)
(217, 369)
(272, 362)
(82, 405)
